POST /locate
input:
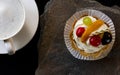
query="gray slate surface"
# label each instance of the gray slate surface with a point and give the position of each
(55, 59)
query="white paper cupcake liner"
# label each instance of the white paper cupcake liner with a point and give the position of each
(75, 17)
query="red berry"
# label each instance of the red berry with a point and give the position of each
(80, 31)
(95, 40)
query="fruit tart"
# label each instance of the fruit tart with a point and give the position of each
(90, 36)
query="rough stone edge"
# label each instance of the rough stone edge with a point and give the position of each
(114, 9)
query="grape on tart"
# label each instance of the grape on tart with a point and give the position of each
(90, 36)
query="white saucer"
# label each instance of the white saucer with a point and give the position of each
(28, 30)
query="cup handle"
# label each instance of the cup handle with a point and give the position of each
(9, 46)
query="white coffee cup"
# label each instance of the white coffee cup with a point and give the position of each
(12, 18)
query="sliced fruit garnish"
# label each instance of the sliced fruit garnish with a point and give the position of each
(80, 31)
(87, 21)
(94, 26)
(95, 40)
(107, 38)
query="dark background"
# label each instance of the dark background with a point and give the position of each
(25, 61)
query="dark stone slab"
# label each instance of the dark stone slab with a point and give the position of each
(55, 59)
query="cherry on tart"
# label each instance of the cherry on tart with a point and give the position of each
(95, 40)
(80, 31)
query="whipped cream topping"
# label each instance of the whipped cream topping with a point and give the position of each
(87, 47)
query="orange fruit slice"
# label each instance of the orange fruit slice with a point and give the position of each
(94, 26)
